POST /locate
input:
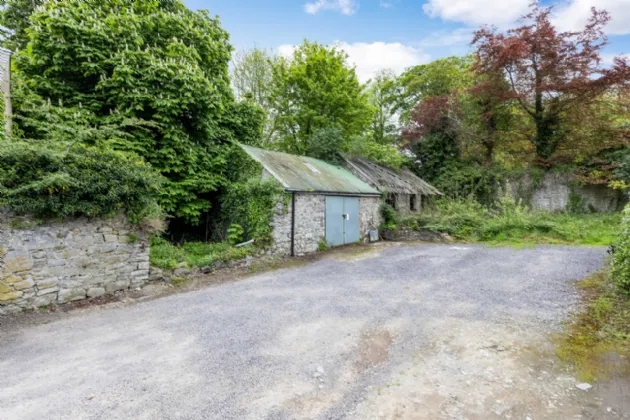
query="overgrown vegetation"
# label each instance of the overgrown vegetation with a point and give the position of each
(621, 254)
(508, 221)
(194, 254)
(251, 205)
(597, 340)
(49, 181)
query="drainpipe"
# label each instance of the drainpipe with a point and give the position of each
(293, 224)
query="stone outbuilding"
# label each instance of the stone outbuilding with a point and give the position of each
(328, 204)
(401, 188)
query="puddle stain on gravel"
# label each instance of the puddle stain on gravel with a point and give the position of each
(373, 348)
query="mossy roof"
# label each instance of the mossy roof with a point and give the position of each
(306, 174)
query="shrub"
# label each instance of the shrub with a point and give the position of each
(235, 234)
(251, 205)
(621, 255)
(390, 216)
(49, 181)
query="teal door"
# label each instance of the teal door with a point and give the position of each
(342, 220)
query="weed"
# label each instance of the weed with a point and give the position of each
(322, 245)
(193, 254)
(24, 224)
(180, 281)
(133, 238)
(601, 330)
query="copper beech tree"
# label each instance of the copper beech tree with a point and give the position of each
(549, 73)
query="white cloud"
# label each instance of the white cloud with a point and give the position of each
(568, 15)
(609, 59)
(574, 15)
(369, 58)
(459, 36)
(346, 7)
(477, 12)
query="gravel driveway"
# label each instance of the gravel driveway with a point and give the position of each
(402, 332)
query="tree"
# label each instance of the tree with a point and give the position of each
(437, 78)
(155, 71)
(316, 89)
(251, 76)
(382, 96)
(14, 20)
(326, 144)
(550, 73)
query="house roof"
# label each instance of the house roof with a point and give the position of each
(305, 174)
(387, 179)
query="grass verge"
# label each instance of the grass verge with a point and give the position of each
(193, 254)
(597, 340)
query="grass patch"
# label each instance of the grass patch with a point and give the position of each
(509, 223)
(597, 340)
(193, 254)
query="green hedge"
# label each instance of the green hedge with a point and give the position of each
(621, 255)
(60, 181)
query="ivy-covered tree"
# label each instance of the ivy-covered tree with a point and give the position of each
(153, 69)
(316, 89)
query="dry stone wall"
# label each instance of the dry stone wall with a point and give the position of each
(59, 262)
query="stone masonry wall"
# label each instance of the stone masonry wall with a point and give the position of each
(553, 191)
(58, 262)
(369, 214)
(310, 222)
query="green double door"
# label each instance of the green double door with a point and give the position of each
(342, 220)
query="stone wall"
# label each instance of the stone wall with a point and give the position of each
(553, 192)
(58, 262)
(403, 203)
(310, 222)
(369, 214)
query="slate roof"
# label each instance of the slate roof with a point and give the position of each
(306, 174)
(386, 179)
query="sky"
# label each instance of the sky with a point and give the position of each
(395, 34)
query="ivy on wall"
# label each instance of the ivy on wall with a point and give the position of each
(252, 204)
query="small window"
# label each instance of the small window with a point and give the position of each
(413, 202)
(391, 200)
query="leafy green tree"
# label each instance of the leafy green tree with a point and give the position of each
(326, 144)
(382, 96)
(316, 89)
(251, 73)
(14, 21)
(155, 72)
(437, 78)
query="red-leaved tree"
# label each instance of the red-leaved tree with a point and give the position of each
(548, 72)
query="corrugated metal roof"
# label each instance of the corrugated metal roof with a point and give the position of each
(387, 179)
(302, 173)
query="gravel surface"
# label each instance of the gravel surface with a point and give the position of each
(420, 331)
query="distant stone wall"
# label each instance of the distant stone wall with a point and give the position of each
(553, 193)
(59, 262)
(310, 222)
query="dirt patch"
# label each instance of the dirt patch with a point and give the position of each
(373, 348)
